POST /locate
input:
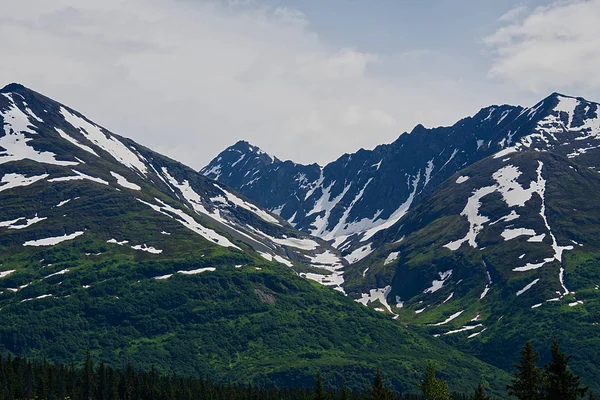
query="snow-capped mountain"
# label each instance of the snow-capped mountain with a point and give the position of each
(350, 200)
(485, 233)
(46, 146)
(108, 246)
(506, 249)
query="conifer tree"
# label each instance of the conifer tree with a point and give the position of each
(560, 382)
(319, 392)
(379, 392)
(527, 379)
(344, 392)
(480, 394)
(88, 370)
(433, 388)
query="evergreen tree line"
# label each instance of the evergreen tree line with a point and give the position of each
(21, 379)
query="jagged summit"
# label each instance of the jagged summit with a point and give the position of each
(13, 87)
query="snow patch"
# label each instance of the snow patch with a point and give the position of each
(526, 288)
(123, 182)
(438, 284)
(10, 181)
(450, 318)
(105, 141)
(393, 256)
(51, 241)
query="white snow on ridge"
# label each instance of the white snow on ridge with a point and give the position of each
(51, 241)
(450, 318)
(527, 287)
(488, 285)
(376, 294)
(4, 274)
(265, 216)
(396, 215)
(540, 189)
(64, 271)
(79, 176)
(505, 152)
(28, 222)
(266, 256)
(462, 179)
(197, 271)
(62, 203)
(282, 260)
(298, 243)
(195, 201)
(15, 143)
(428, 171)
(464, 329)
(567, 105)
(114, 241)
(123, 182)
(476, 221)
(507, 218)
(148, 249)
(359, 254)
(537, 239)
(190, 223)
(343, 227)
(106, 142)
(10, 181)
(393, 256)
(327, 261)
(74, 141)
(530, 266)
(509, 234)
(37, 298)
(437, 285)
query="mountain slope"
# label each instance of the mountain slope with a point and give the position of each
(351, 199)
(505, 251)
(497, 246)
(107, 245)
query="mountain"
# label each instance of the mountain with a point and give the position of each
(505, 251)
(349, 200)
(485, 249)
(108, 246)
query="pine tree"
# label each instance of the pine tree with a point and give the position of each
(561, 383)
(433, 388)
(480, 394)
(344, 392)
(378, 391)
(88, 370)
(592, 396)
(527, 379)
(319, 392)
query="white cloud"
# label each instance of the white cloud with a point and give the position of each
(188, 78)
(513, 14)
(549, 48)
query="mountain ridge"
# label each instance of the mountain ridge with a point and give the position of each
(338, 203)
(108, 246)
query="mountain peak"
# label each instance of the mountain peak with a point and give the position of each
(13, 87)
(246, 148)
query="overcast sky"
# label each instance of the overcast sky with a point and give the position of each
(306, 80)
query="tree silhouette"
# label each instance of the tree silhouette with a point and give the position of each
(527, 379)
(560, 382)
(433, 388)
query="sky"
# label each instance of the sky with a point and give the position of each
(306, 80)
